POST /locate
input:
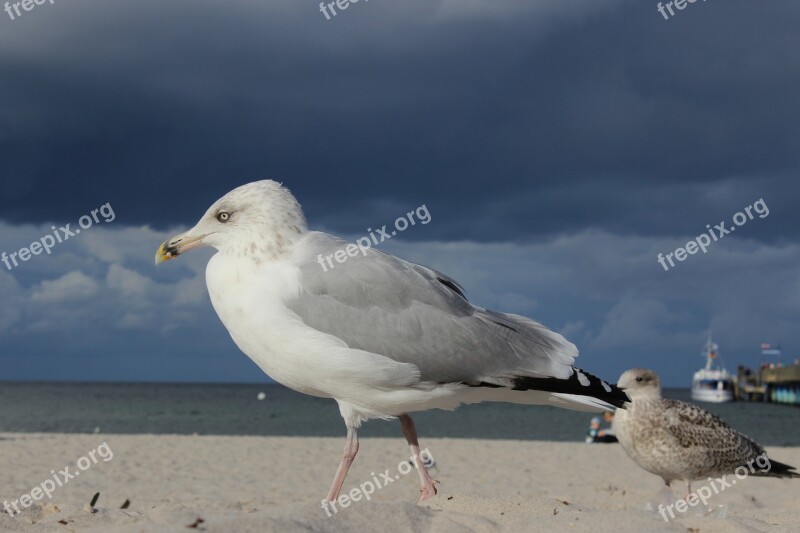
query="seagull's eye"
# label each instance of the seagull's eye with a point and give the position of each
(639, 379)
(223, 216)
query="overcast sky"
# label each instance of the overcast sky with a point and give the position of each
(559, 146)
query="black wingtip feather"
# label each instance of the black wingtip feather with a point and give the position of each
(595, 389)
(453, 286)
(779, 470)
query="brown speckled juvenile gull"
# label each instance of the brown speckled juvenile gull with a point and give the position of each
(680, 441)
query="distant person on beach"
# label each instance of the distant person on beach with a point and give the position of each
(596, 434)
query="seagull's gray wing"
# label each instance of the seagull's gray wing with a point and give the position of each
(412, 314)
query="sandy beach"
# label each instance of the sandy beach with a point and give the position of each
(277, 483)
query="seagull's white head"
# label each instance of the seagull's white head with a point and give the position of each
(261, 220)
(640, 383)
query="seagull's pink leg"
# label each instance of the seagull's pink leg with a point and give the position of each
(666, 493)
(350, 451)
(427, 483)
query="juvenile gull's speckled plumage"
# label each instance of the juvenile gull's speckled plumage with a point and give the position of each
(680, 441)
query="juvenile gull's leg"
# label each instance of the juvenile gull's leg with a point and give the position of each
(427, 483)
(666, 493)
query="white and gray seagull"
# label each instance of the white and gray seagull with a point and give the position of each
(381, 336)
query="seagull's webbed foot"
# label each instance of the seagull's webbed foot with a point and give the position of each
(428, 488)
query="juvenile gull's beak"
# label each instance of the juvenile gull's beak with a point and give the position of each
(177, 245)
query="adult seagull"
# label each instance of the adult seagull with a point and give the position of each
(381, 336)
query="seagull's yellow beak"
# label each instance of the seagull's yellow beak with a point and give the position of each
(176, 246)
(162, 254)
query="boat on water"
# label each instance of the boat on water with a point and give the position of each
(712, 383)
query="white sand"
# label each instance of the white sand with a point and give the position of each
(277, 483)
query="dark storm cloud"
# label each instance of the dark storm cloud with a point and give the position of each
(511, 121)
(558, 146)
